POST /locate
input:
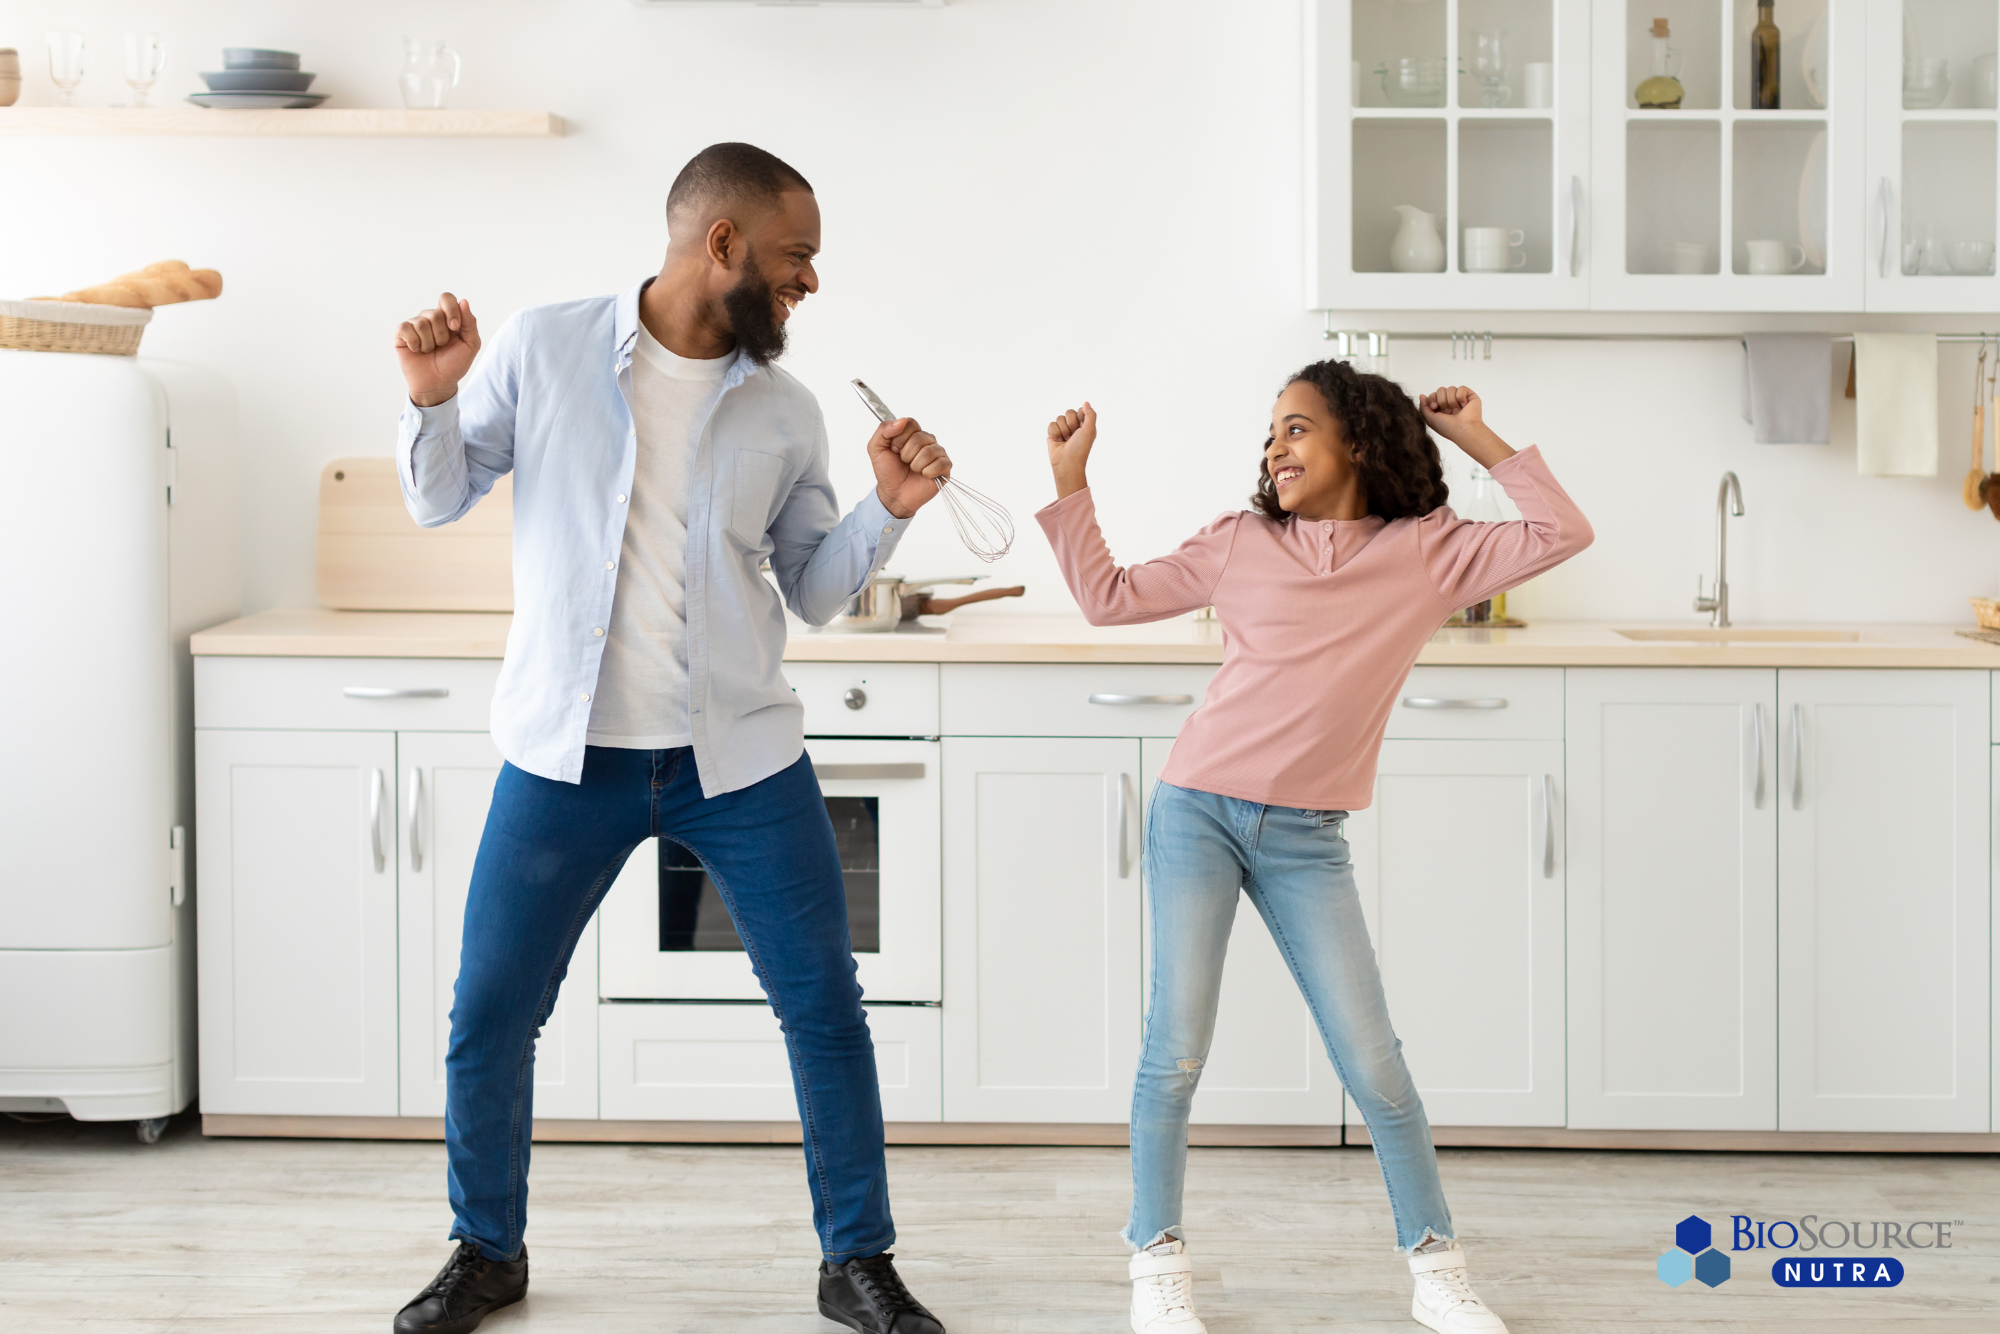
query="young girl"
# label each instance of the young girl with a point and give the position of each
(1326, 593)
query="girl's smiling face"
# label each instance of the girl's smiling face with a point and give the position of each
(1309, 460)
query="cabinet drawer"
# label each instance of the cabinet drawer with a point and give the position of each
(1109, 699)
(888, 698)
(1450, 703)
(345, 694)
(728, 1063)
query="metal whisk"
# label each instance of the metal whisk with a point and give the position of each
(982, 522)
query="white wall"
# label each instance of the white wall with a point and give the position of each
(1027, 202)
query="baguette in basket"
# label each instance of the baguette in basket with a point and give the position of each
(161, 284)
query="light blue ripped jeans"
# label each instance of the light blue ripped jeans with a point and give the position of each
(1201, 850)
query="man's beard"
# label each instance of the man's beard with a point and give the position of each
(752, 309)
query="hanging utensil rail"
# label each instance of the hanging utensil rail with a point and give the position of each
(1477, 344)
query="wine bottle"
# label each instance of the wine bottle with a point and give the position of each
(1764, 60)
(1661, 90)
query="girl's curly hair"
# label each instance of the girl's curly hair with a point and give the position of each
(1401, 475)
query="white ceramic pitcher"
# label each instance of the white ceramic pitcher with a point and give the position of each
(1416, 247)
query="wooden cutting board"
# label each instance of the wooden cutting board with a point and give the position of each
(374, 557)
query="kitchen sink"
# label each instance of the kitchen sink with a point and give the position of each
(1742, 635)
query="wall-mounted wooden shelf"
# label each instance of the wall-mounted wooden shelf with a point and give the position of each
(311, 123)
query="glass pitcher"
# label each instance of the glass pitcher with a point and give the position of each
(430, 72)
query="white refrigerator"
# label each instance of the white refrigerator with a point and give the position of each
(120, 522)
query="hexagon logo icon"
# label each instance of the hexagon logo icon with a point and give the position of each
(1693, 1256)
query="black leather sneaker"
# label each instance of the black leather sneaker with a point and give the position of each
(868, 1295)
(469, 1288)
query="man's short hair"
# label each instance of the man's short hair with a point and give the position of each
(722, 177)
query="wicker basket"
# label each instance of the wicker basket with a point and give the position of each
(72, 326)
(1988, 612)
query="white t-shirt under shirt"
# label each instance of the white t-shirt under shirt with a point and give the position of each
(642, 683)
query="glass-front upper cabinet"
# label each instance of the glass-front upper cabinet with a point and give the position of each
(1448, 146)
(1932, 154)
(1729, 156)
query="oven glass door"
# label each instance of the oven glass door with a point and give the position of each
(664, 933)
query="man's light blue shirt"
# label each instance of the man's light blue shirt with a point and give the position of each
(549, 401)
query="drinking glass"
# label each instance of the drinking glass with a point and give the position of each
(66, 64)
(1489, 67)
(430, 72)
(145, 57)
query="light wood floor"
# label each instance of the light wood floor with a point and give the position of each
(100, 1233)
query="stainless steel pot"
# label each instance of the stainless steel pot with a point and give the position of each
(890, 600)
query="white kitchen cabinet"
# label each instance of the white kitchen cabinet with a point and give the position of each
(1932, 180)
(1467, 164)
(1883, 889)
(1267, 1064)
(445, 786)
(1041, 912)
(1682, 193)
(1460, 866)
(1673, 899)
(297, 921)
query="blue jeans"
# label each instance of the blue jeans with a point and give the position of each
(1201, 849)
(549, 853)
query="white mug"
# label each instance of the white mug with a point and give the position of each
(1494, 249)
(1690, 257)
(1539, 76)
(1771, 256)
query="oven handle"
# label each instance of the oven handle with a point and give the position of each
(847, 772)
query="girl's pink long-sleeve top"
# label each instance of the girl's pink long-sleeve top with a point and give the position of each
(1321, 623)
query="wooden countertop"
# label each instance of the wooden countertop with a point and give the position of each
(1003, 638)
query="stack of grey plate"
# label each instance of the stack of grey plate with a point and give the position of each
(253, 78)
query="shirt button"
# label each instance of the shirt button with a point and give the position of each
(586, 697)
(610, 565)
(621, 500)
(888, 528)
(599, 632)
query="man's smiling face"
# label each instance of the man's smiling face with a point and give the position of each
(777, 274)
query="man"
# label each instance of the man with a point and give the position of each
(659, 457)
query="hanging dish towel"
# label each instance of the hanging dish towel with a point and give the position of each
(1895, 404)
(1786, 380)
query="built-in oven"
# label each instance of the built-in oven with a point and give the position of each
(664, 933)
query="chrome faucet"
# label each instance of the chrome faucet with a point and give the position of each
(1728, 501)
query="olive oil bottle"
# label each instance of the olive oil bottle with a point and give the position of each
(1764, 60)
(1660, 90)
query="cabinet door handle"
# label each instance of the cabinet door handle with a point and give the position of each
(1124, 826)
(1142, 699)
(416, 818)
(1882, 249)
(1575, 224)
(851, 772)
(375, 819)
(1798, 756)
(1548, 826)
(396, 692)
(1757, 794)
(1480, 702)
(177, 865)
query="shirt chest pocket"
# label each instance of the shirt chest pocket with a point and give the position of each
(754, 482)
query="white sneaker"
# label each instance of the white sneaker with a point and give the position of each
(1163, 1291)
(1444, 1299)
